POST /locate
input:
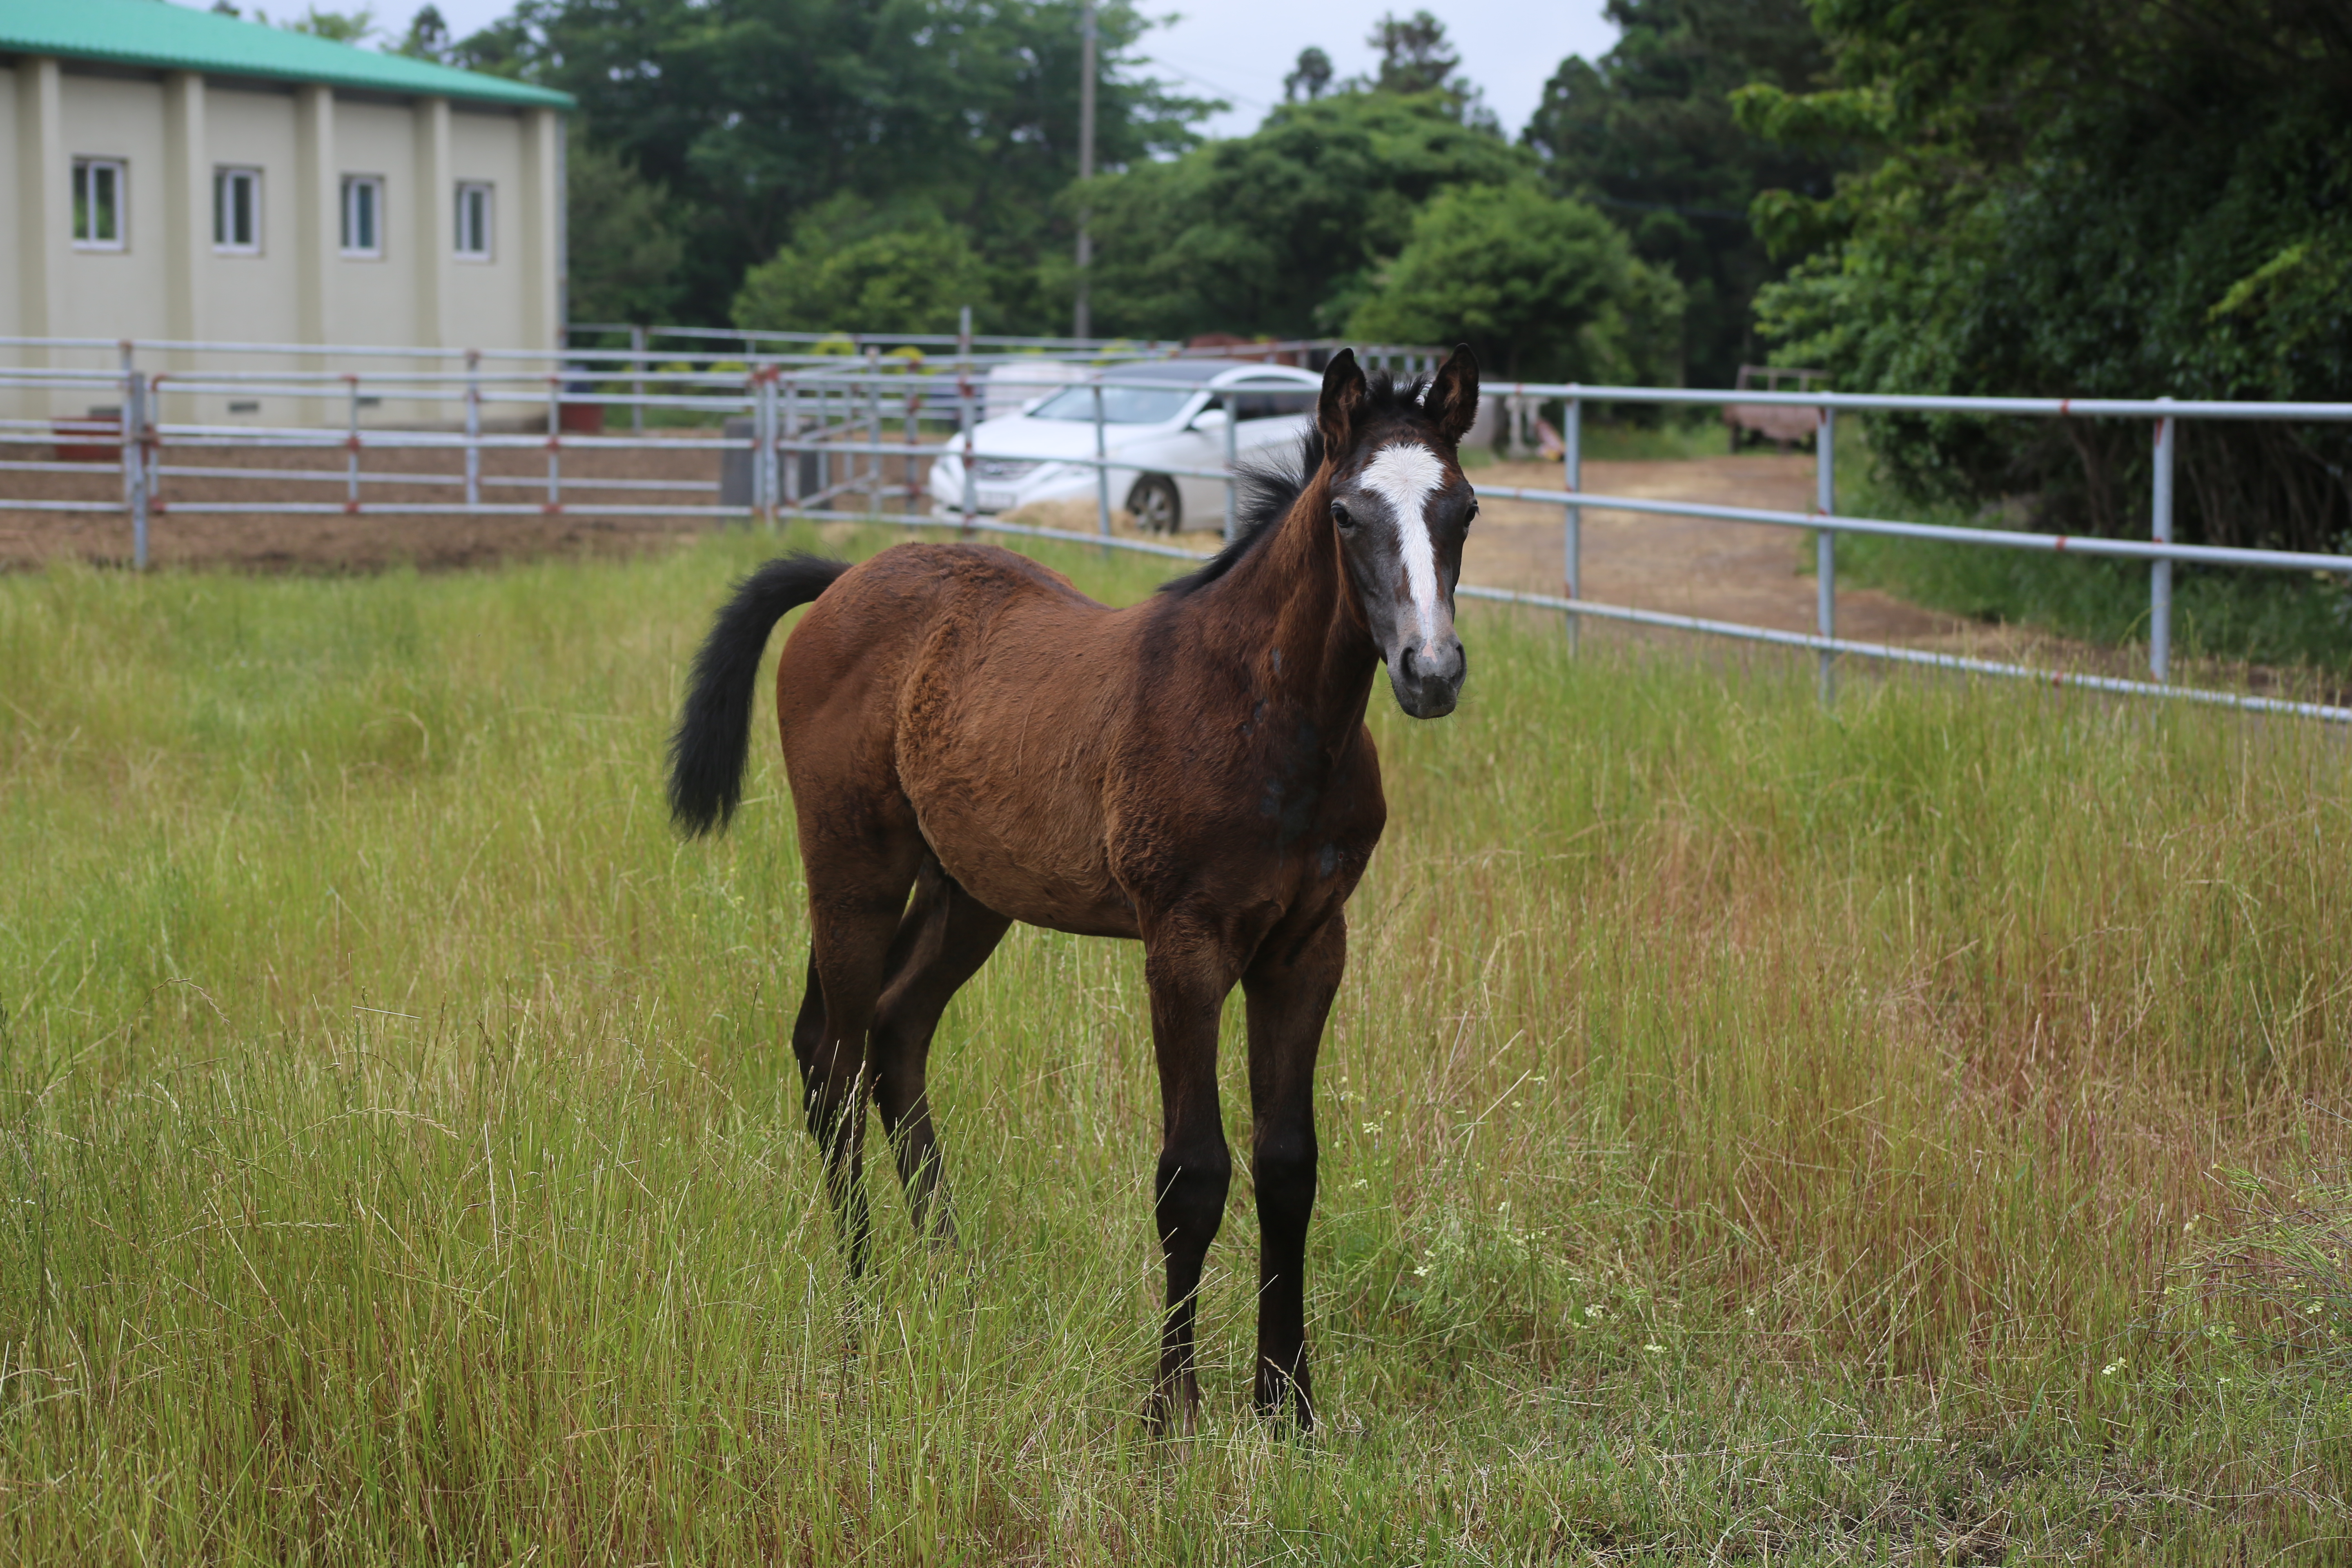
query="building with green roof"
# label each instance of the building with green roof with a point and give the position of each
(179, 174)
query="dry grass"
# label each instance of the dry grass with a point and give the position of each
(1748, 1132)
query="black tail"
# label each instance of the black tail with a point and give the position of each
(714, 732)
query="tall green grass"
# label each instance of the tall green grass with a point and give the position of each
(2299, 623)
(1748, 1130)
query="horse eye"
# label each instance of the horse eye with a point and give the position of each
(1471, 516)
(1339, 515)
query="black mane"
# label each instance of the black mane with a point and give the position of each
(1270, 486)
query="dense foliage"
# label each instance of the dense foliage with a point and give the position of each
(745, 114)
(2099, 198)
(621, 255)
(1647, 133)
(1284, 231)
(853, 260)
(1539, 287)
(808, 163)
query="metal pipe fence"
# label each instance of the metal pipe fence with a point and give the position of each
(811, 433)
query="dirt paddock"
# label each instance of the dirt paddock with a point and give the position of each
(671, 472)
(1727, 570)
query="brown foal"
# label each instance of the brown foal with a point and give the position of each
(961, 725)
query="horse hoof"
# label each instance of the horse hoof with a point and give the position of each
(1172, 1415)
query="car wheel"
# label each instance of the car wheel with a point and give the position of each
(1155, 505)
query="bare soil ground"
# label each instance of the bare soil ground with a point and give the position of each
(674, 473)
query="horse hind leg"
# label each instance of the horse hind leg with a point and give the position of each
(946, 936)
(855, 901)
(1189, 969)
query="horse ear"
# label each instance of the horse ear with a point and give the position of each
(1343, 400)
(1453, 399)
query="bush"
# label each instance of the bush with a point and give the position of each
(1538, 286)
(852, 263)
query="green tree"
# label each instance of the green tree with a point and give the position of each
(337, 26)
(1538, 286)
(1415, 56)
(901, 267)
(749, 113)
(2084, 198)
(1282, 230)
(622, 239)
(1309, 78)
(427, 38)
(1647, 133)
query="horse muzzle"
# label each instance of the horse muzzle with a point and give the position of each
(1427, 677)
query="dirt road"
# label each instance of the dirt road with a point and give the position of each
(1688, 567)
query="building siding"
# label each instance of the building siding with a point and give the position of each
(168, 282)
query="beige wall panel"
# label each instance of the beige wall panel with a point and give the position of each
(486, 298)
(376, 302)
(12, 268)
(252, 299)
(120, 293)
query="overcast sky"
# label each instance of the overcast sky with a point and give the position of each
(1241, 49)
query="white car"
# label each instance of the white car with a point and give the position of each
(1160, 417)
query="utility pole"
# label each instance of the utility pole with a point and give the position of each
(1082, 323)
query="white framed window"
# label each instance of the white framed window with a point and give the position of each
(363, 215)
(99, 186)
(473, 220)
(236, 211)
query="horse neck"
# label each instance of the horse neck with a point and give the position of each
(1320, 655)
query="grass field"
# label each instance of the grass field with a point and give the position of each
(1915, 1133)
(2298, 623)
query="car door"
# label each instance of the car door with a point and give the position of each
(1271, 410)
(1172, 449)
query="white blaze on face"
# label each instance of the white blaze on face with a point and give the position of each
(1405, 474)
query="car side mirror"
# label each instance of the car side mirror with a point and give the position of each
(1209, 419)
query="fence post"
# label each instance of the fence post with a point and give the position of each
(1102, 470)
(637, 381)
(134, 461)
(914, 438)
(1233, 499)
(473, 427)
(965, 414)
(764, 479)
(788, 446)
(2159, 574)
(1571, 516)
(824, 452)
(555, 442)
(874, 486)
(352, 446)
(1825, 545)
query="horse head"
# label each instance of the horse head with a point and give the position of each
(1402, 508)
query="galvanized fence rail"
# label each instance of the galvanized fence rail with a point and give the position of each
(820, 429)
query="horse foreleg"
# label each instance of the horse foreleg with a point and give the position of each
(1189, 975)
(1288, 992)
(945, 938)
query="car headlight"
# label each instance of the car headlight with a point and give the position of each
(1004, 471)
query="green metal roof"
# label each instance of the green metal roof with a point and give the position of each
(165, 36)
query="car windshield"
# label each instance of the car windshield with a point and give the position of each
(1120, 405)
